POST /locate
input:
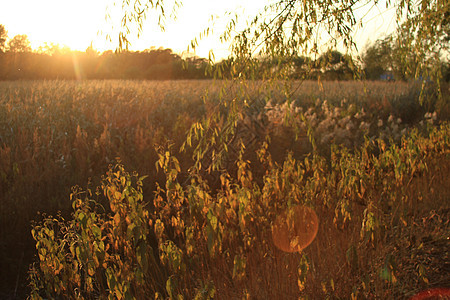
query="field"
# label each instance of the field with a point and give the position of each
(365, 156)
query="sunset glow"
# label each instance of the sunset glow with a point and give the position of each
(69, 23)
(80, 24)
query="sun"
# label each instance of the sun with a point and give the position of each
(75, 24)
(83, 23)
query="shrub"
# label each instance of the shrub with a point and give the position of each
(196, 242)
(100, 251)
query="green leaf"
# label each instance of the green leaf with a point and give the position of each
(171, 285)
(83, 219)
(97, 232)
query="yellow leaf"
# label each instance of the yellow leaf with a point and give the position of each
(117, 219)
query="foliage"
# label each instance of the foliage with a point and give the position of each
(135, 12)
(57, 134)
(98, 253)
(3, 37)
(378, 60)
(217, 243)
(211, 215)
(55, 63)
(19, 43)
(269, 44)
(335, 66)
(331, 65)
(388, 57)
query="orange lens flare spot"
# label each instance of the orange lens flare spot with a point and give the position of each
(295, 229)
(437, 293)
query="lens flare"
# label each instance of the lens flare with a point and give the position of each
(295, 229)
(437, 293)
(76, 67)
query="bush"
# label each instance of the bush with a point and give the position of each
(100, 251)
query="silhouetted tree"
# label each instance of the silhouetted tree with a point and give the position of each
(3, 37)
(19, 43)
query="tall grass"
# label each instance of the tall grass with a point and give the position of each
(59, 134)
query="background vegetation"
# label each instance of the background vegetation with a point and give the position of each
(382, 60)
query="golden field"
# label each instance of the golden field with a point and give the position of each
(365, 156)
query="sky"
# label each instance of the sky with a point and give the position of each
(80, 23)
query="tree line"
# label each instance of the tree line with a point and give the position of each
(19, 61)
(389, 59)
(159, 64)
(381, 60)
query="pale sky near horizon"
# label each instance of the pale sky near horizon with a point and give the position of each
(77, 24)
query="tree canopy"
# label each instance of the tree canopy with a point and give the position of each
(54, 63)
(19, 43)
(3, 37)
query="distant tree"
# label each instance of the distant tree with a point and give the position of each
(393, 55)
(377, 59)
(3, 37)
(19, 43)
(333, 65)
(50, 49)
(302, 66)
(329, 58)
(90, 51)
